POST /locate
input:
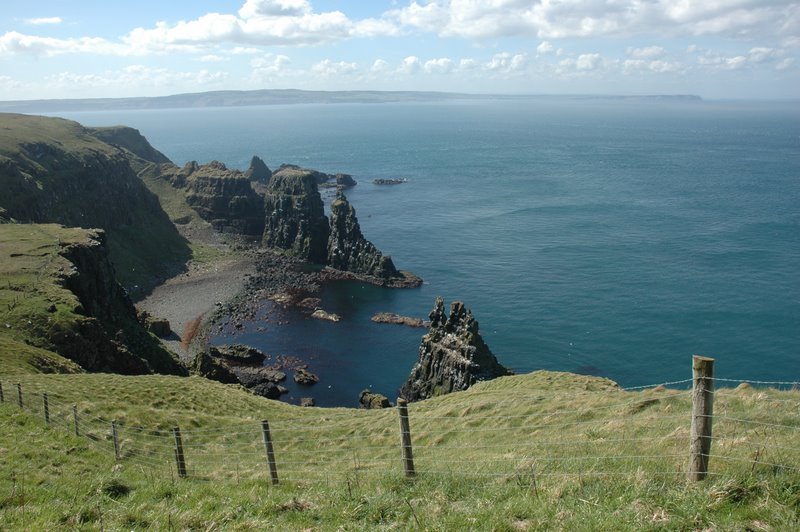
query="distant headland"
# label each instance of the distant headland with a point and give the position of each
(236, 98)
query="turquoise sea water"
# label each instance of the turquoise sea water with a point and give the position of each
(615, 238)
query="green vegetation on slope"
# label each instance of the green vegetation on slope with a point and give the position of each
(58, 294)
(539, 451)
(55, 171)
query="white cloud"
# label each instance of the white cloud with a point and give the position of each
(135, 77)
(329, 68)
(245, 50)
(468, 64)
(506, 62)
(15, 43)
(649, 52)
(410, 65)
(663, 67)
(212, 58)
(762, 54)
(588, 62)
(379, 67)
(267, 8)
(785, 64)
(553, 19)
(545, 48)
(44, 20)
(441, 65)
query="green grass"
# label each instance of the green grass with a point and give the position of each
(539, 451)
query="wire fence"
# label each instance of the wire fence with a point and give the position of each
(511, 435)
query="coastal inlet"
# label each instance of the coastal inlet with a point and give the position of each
(349, 356)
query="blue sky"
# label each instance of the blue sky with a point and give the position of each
(718, 49)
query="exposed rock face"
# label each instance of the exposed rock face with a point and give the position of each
(212, 368)
(321, 178)
(370, 400)
(258, 171)
(220, 196)
(348, 250)
(111, 337)
(452, 356)
(238, 354)
(303, 376)
(295, 215)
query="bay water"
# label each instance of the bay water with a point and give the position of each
(600, 236)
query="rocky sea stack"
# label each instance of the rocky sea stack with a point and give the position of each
(295, 215)
(348, 250)
(452, 356)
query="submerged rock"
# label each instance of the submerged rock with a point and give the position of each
(452, 356)
(324, 315)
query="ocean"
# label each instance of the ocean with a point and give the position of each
(609, 237)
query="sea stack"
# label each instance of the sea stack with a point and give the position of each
(348, 250)
(452, 355)
(295, 216)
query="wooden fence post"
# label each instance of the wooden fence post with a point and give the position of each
(273, 467)
(115, 437)
(2, 399)
(405, 438)
(19, 395)
(180, 460)
(75, 419)
(46, 409)
(702, 415)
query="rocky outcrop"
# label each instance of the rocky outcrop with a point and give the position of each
(109, 337)
(370, 400)
(295, 216)
(258, 171)
(221, 196)
(393, 181)
(240, 364)
(452, 356)
(397, 319)
(348, 250)
(305, 377)
(322, 179)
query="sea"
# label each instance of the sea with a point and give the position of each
(610, 237)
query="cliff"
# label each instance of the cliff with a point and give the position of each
(60, 295)
(322, 179)
(56, 171)
(348, 250)
(452, 356)
(295, 216)
(221, 196)
(131, 140)
(258, 171)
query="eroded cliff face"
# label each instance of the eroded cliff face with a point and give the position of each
(106, 334)
(348, 250)
(221, 196)
(56, 171)
(452, 355)
(295, 216)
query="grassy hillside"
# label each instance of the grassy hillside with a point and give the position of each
(52, 306)
(56, 171)
(539, 451)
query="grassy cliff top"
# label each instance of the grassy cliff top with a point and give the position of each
(18, 131)
(30, 295)
(540, 451)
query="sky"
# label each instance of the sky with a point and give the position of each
(717, 49)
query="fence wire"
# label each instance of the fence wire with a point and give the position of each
(621, 432)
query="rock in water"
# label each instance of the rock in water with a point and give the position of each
(295, 215)
(348, 250)
(452, 356)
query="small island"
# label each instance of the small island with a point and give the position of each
(393, 181)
